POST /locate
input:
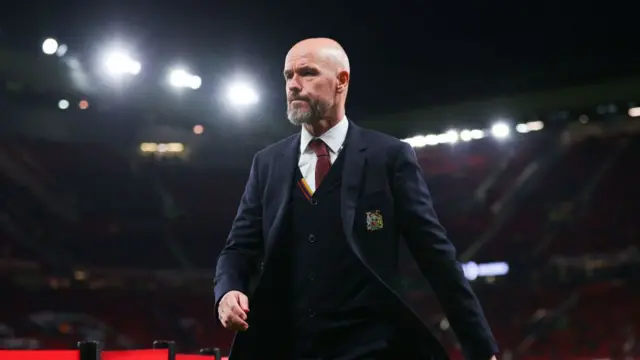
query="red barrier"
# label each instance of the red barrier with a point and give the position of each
(154, 354)
(40, 355)
(91, 351)
(191, 357)
(106, 355)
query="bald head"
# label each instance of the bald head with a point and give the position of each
(317, 73)
(327, 49)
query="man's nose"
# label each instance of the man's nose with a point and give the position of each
(293, 85)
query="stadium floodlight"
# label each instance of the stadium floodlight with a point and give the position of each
(242, 94)
(50, 46)
(119, 63)
(198, 129)
(63, 104)
(473, 270)
(62, 50)
(450, 137)
(500, 130)
(477, 134)
(465, 135)
(182, 79)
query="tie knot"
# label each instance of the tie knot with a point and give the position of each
(319, 147)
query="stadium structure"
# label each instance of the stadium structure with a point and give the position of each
(115, 203)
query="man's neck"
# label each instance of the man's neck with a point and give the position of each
(318, 128)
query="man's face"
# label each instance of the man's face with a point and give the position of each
(310, 86)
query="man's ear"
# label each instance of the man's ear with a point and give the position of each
(343, 81)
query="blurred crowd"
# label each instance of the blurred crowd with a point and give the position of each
(95, 244)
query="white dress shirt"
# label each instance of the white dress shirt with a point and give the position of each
(334, 138)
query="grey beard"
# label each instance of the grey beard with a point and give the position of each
(299, 117)
(314, 114)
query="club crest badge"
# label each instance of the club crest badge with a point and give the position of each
(374, 221)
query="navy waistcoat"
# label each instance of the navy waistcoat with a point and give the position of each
(336, 302)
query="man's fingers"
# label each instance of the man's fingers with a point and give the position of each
(243, 300)
(237, 311)
(233, 310)
(234, 322)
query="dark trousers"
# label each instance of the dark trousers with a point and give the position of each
(396, 348)
(373, 343)
(362, 353)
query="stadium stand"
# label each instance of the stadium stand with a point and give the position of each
(614, 202)
(100, 243)
(458, 173)
(122, 209)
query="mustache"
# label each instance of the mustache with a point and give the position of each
(298, 98)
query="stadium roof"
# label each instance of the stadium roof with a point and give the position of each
(522, 107)
(67, 76)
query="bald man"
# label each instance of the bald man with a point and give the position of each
(318, 229)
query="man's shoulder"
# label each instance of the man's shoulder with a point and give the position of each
(277, 148)
(381, 141)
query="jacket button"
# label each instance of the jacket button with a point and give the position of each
(312, 238)
(314, 202)
(311, 313)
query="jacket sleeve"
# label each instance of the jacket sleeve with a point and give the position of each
(436, 257)
(240, 255)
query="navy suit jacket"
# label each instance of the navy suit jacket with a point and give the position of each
(381, 173)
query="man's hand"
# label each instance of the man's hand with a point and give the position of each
(233, 309)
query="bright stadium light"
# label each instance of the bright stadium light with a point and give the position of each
(450, 137)
(118, 63)
(500, 130)
(63, 104)
(465, 135)
(62, 50)
(182, 79)
(50, 46)
(241, 94)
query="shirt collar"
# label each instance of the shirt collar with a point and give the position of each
(334, 137)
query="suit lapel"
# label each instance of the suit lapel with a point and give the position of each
(355, 160)
(283, 179)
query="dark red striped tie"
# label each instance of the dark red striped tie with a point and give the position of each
(324, 161)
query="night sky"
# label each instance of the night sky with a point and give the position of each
(404, 54)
